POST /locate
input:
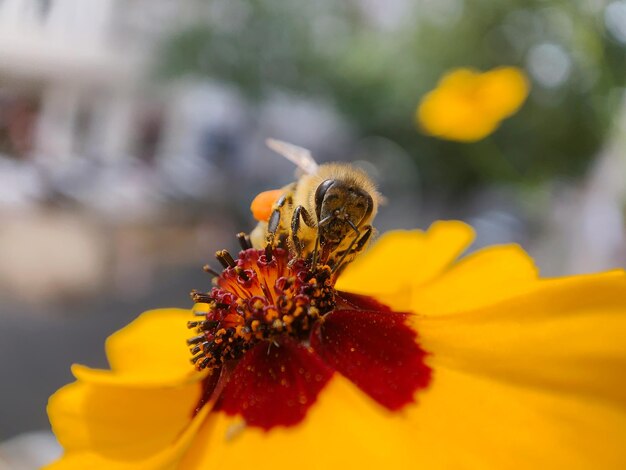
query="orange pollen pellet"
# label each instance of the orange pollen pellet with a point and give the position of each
(263, 203)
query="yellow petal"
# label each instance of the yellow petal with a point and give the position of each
(108, 377)
(165, 459)
(565, 335)
(503, 90)
(467, 421)
(467, 105)
(402, 259)
(482, 278)
(461, 80)
(152, 348)
(121, 423)
(454, 116)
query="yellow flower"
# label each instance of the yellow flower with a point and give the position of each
(468, 105)
(524, 372)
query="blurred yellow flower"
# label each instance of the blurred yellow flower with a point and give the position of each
(468, 105)
(526, 372)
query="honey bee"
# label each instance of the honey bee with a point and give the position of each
(324, 217)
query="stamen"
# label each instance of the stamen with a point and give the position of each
(195, 339)
(199, 297)
(244, 241)
(208, 269)
(225, 258)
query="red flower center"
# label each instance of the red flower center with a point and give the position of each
(276, 331)
(260, 297)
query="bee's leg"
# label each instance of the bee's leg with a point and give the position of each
(274, 221)
(300, 211)
(360, 245)
(347, 251)
(356, 246)
(364, 239)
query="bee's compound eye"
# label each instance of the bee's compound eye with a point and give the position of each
(262, 204)
(320, 192)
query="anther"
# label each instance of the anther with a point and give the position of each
(199, 297)
(195, 339)
(196, 358)
(268, 252)
(225, 259)
(244, 241)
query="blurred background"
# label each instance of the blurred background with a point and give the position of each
(131, 145)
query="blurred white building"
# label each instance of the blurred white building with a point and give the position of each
(77, 98)
(80, 119)
(66, 84)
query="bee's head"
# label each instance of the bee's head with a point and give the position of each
(338, 205)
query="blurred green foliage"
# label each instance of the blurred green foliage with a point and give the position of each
(374, 66)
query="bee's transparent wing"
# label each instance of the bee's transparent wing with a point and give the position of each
(298, 155)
